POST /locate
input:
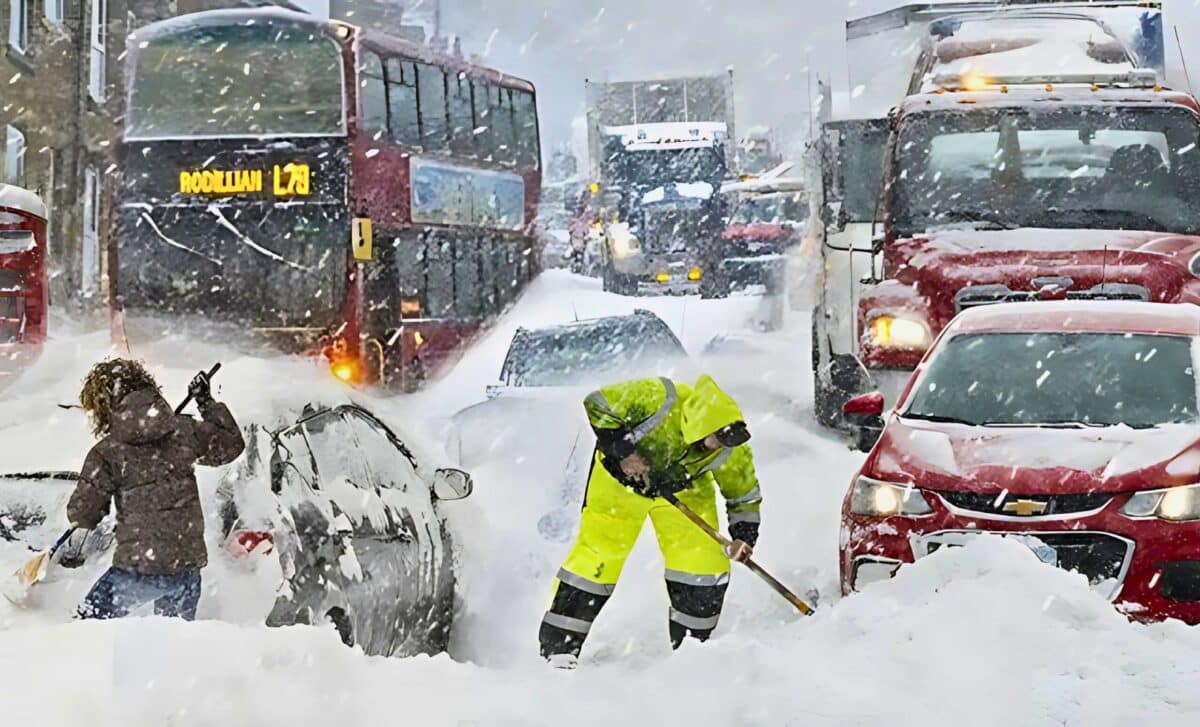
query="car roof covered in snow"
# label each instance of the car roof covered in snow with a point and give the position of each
(1065, 94)
(1095, 316)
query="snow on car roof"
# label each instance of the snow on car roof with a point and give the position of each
(1098, 316)
(1024, 96)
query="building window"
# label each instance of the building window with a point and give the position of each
(18, 24)
(99, 51)
(14, 156)
(56, 10)
(89, 274)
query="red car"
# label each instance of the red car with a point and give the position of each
(1071, 426)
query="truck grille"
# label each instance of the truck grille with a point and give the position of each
(990, 504)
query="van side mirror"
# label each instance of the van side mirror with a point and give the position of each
(452, 484)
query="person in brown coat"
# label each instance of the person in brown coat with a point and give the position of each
(145, 463)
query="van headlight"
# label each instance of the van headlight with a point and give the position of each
(886, 499)
(897, 332)
(1178, 504)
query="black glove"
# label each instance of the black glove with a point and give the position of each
(744, 531)
(201, 389)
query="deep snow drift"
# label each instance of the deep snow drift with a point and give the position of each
(983, 634)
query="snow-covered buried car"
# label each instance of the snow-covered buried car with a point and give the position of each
(336, 499)
(1070, 426)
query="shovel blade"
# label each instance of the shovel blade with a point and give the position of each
(34, 569)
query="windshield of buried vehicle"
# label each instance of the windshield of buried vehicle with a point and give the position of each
(770, 208)
(1095, 379)
(1091, 166)
(584, 353)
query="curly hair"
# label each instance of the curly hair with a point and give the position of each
(107, 383)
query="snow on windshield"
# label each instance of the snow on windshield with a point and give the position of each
(1101, 379)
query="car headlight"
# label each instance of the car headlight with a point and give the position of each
(889, 331)
(1180, 504)
(885, 499)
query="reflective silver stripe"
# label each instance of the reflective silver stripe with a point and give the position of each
(751, 496)
(583, 584)
(694, 622)
(596, 398)
(641, 430)
(719, 460)
(744, 517)
(691, 579)
(567, 623)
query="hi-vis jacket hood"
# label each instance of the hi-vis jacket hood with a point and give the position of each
(661, 421)
(706, 410)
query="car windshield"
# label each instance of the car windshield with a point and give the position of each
(772, 208)
(261, 79)
(571, 355)
(1093, 166)
(1096, 379)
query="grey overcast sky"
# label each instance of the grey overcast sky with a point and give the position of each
(558, 43)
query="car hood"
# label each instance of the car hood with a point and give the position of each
(949, 260)
(1036, 461)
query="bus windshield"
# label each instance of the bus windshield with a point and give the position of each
(260, 79)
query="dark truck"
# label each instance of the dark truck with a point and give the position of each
(659, 152)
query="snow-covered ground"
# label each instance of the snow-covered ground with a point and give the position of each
(983, 634)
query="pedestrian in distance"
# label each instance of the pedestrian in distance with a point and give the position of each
(657, 438)
(145, 464)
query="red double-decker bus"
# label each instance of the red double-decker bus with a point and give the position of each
(24, 293)
(318, 186)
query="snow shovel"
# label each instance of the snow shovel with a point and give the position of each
(755, 568)
(34, 569)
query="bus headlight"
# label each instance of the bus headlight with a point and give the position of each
(1178, 504)
(895, 332)
(885, 499)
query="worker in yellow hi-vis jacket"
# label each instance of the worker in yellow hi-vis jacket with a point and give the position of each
(655, 436)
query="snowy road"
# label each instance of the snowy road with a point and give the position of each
(979, 635)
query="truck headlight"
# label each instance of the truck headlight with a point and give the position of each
(622, 241)
(889, 331)
(885, 499)
(1179, 504)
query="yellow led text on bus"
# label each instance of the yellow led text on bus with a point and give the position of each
(213, 182)
(291, 180)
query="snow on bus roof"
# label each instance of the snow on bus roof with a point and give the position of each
(375, 39)
(19, 198)
(1098, 316)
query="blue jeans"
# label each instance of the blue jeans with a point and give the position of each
(120, 591)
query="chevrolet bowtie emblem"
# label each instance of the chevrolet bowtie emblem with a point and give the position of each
(1025, 508)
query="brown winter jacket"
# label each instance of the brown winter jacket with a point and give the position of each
(146, 463)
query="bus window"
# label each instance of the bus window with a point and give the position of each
(262, 79)
(525, 114)
(462, 124)
(431, 87)
(487, 267)
(439, 275)
(468, 288)
(374, 96)
(402, 101)
(504, 126)
(483, 98)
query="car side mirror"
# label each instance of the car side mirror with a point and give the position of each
(865, 413)
(452, 484)
(864, 406)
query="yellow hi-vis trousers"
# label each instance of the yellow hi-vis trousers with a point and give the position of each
(697, 571)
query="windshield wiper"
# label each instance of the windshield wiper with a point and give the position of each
(981, 220)
(1048, 425)
(938, 418)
